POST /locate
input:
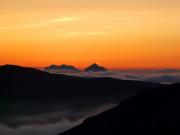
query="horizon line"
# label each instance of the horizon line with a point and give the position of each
(108, 68)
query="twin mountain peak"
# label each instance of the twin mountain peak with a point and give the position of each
(92, 68)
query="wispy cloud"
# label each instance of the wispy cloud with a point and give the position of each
(63, 19)
(96, 33)
(71, 34)
(110, 27)
(77, 33)
(81, 32)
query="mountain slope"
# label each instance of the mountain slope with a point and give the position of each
(152, 112)
(27, 92)
(20, 82)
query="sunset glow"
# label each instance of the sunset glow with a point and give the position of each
(114, 33)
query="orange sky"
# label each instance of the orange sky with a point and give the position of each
(114, 33)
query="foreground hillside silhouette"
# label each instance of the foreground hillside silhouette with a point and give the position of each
(152, 112)
(30, 92)
(20, 82)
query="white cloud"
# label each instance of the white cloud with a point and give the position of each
(156, 76)
(96, 33)
(65, 19)
(70, 34)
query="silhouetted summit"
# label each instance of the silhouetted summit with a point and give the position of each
(52, 67)
(152, 112)
(62, 67)
(95, 68)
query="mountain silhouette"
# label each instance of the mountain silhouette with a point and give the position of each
(151, 112)
(26, 82)
(62, 67)
(95, 68)
(39, 92)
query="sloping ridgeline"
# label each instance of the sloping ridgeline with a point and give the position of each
(19, 82)
(152, 112)
(30, 92)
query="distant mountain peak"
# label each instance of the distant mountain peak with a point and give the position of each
(62, 67)
(66, 66)
(95, 64)
(95, 68)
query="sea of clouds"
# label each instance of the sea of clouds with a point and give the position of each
(51, 123)
(164, 76)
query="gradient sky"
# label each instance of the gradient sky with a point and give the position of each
(113, 33)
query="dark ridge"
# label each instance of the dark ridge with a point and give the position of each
(152, 112)
(29, 92)
(21, 82)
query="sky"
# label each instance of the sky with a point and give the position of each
(113, 33)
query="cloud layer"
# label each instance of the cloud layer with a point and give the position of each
(167, 76)
(50, 123)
